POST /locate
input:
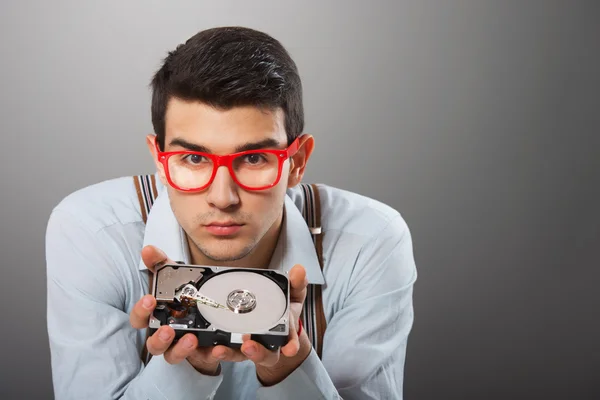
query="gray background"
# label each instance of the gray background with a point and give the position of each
(478, 120)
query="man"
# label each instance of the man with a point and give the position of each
(227, 90)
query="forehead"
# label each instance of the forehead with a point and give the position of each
(217, 129)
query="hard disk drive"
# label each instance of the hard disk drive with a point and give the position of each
(220, 304)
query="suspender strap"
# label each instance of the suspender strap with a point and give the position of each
(313, 317)
(145, 186)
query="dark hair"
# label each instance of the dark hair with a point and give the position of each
(227, 67)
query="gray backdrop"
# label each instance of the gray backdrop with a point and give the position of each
(478, 120)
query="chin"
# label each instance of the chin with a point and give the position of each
(225, 251)
(224, 257)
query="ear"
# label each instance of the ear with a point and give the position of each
(299, 160)
(151, 143)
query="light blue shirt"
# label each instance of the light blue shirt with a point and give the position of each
(95, 276)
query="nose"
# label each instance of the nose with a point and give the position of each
(222, 193)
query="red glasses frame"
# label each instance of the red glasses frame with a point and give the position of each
(227, 161)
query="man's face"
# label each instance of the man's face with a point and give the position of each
(251, 215)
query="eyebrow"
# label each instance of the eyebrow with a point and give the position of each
(262, 144)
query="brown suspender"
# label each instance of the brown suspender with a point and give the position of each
(313, 316)
(145, 186)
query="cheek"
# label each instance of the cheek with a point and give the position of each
(264, 206)
(185, 207)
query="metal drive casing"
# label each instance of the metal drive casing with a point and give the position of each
(241, 301)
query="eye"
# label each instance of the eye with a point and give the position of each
(254, 158)
(194, 159)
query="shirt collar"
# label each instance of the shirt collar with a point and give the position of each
(294, 246)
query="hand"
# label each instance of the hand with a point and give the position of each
(270, 367)
(274, 366)
(205, 360)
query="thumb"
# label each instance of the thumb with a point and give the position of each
(153, 257)
(298, 284)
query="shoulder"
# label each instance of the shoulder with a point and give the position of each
(94, 235)
(362, 237)
(102, 220)
(352, 214)
(367, 247)
(101, 205)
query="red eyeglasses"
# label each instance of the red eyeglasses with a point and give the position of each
(252, 170)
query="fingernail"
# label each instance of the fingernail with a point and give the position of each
(250, 351)
(157, 265)
(187, 342)
(147, 303)
(164, 335)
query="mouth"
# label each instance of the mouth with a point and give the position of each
(223, 228)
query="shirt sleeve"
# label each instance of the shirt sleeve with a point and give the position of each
(364, 346)
(95, 353)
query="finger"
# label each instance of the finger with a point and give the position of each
(202, 357)
(153, 257)
(182, 349)
(225, 353)
(292, 347)
(141, 312)
(160, 341)
(259, 354)
(298, 284)
(296, 309)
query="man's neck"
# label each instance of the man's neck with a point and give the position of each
(259, 257)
